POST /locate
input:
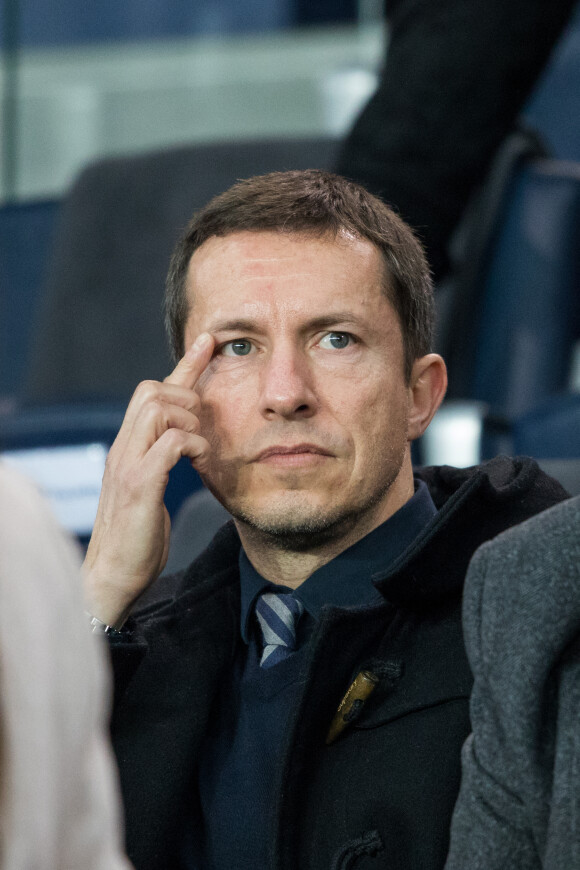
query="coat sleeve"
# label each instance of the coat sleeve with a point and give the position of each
(60, 806)
(456, 76)
(490, 829)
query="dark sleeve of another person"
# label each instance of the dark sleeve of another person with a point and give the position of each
(457, 74)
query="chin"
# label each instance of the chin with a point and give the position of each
(294, 526)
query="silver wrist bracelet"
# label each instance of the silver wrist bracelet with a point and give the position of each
(100, 627)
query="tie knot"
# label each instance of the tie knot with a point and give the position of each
(278, 615)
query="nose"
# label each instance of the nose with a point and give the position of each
(287, 385)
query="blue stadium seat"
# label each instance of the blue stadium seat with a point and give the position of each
(513, 306)
(551, 434)
(515, 312)
(529, 309)
(551, 430)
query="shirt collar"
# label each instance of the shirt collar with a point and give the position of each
(346, 581)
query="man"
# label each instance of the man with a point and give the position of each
(518, 807)
(301, 309)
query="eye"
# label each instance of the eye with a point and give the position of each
(336, 340)
(237, 347)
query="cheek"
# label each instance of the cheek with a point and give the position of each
(226, 404)
(376, 414)
(361, 393)
(342, 368)
(227, 374)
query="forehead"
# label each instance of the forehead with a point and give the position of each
(262, 271)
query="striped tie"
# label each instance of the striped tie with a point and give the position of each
(278, 615)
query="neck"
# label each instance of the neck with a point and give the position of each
(288, 566)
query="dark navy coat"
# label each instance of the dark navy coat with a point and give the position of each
(382, 794)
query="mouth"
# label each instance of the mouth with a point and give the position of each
(293, 455)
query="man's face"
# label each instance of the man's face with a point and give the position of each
(304, 402)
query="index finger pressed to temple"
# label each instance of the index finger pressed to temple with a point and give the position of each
(193, 362)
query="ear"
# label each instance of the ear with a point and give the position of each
(427, 388)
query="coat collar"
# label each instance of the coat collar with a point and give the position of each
(474, 504)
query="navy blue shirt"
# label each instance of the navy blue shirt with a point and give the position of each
(236, 773)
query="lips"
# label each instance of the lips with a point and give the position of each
(291, 450)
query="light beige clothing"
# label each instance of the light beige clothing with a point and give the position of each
(59, 808)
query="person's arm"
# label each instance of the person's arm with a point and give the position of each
(60, 805)
(129, 545)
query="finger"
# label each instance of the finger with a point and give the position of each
(143, 481)
(191, 365)
(153, 419)
(155, 394)
(171, 446)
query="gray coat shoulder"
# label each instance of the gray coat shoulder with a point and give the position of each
(519, 803)
(527, 576)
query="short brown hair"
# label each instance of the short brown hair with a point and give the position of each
(318, 203)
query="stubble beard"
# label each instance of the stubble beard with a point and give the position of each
(294, 531)
(292, 523)
(301, 527)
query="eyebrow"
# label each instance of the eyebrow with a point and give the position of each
(321, 322)
(237, 325)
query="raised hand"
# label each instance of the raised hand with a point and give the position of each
(130, 540)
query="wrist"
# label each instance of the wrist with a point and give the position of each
(105, 602)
